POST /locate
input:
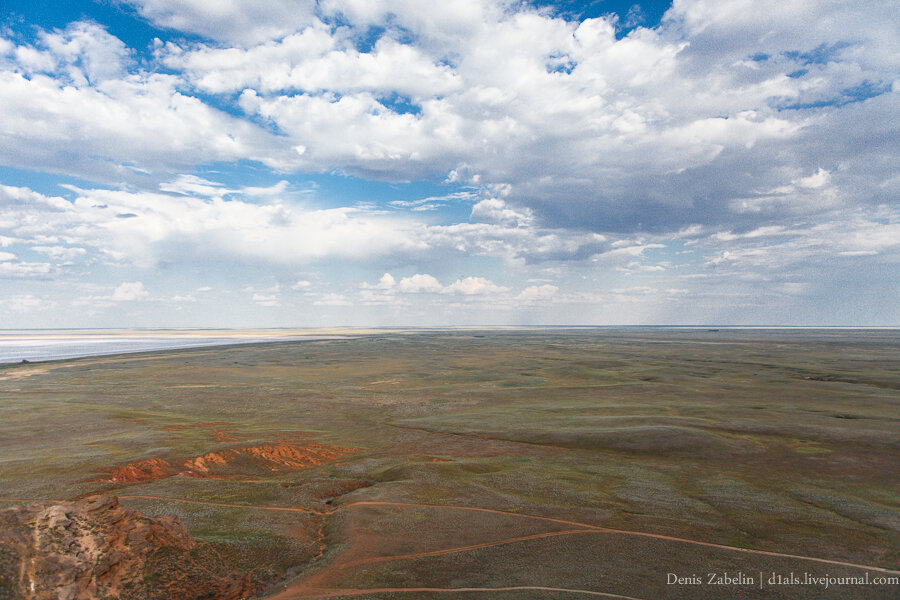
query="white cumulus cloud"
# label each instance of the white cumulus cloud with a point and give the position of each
(129, 291)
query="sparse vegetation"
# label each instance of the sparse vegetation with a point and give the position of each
(766, 440)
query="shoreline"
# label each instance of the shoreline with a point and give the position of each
(42, 350)
(45, 345)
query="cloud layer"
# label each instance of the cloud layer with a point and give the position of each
(732, 145)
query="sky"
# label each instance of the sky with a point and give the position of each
(300, 163)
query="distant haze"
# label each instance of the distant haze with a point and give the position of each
(18, 347)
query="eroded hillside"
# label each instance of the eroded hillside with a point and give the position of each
(94, 549)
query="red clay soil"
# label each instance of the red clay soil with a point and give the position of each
(221, 436)
(94, 549)
(311, 587)
(272, 457)
(141, 470)
(252, 459)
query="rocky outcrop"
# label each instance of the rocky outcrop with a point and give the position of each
(94, 549)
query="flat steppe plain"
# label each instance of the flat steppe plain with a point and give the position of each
(491, 464)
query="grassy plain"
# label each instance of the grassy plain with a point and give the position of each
(568, 442)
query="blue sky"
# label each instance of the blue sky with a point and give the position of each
(476, 162)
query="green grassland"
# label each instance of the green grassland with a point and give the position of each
(780, 440)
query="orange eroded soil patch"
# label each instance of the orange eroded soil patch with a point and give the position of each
(95, 548)
(280, 456)
(141, 470)
(221, 436)
(229, 462)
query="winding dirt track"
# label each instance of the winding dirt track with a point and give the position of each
(524, 538)
(466, 508)
(585, 526)
(314, 594)
(293, 592)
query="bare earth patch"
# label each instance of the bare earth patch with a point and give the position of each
(241, 460)
(93, 549)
